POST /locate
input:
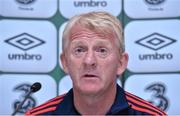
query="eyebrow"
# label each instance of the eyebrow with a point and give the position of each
(77, 43)
(103, 42)
(98, 43)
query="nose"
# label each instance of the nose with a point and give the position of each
(90, 59)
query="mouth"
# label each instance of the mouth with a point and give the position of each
(90, 76)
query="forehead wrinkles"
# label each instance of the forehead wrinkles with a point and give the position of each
(86, 33)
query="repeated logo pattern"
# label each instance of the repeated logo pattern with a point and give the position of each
(158, 98)
(155, 41)
(22, 9)
(25, 41)
(30, 102)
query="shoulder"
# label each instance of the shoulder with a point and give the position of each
(140, 105)
(48, 106)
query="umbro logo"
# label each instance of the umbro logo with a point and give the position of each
(155, 41)
(25, 41)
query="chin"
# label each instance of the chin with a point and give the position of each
(90, 89)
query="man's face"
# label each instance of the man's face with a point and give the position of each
(93, 61)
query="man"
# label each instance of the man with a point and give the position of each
(93, 55)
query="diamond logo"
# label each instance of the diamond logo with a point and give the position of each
(155, 41)
(24, 41)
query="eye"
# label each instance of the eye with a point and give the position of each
(102, 51)
(78, 51)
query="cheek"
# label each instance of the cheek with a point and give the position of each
(109, 66)
(72, 71)
(73, 64)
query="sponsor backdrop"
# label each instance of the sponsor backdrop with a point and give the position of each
(30, 45)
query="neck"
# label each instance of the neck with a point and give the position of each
(98, 104)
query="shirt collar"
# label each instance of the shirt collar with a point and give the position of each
(66, 107)
(120, 103)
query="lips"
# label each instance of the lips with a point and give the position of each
(90, 76)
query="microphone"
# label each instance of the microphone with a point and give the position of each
(34, 88)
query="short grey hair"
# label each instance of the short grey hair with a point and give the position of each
(98, 21)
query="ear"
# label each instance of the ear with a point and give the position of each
(64, 62)
(123, 61)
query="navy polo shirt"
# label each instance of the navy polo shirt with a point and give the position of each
(125, 104)
(66, 107)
